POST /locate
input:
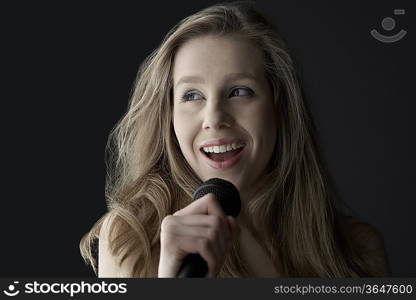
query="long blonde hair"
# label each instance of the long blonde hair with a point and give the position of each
(149, 178)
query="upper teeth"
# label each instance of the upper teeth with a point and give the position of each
(223, 148)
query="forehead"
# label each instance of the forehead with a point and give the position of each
(215, 56)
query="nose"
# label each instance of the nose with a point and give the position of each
(216, 116)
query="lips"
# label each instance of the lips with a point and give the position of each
(225, 164)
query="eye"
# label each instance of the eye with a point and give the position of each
(191, 96)
(241, 92)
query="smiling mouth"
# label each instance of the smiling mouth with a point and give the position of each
(220, 157)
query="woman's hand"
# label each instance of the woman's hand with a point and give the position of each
(201, 227)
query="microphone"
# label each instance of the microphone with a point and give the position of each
(229, 199)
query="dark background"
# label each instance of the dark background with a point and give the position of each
(67, 73)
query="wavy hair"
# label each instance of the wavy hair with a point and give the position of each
(148, 178)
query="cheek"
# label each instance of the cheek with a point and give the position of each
(178, 125)
(183, 130)
(263, 127)
(262, 119)
(270, 127)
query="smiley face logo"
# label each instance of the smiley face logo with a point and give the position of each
(11, 291)
(388, 24)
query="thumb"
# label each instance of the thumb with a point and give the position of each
(234, 227)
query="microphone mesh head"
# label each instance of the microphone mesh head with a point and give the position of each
(226, 193)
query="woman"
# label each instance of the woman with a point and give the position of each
(222, 81)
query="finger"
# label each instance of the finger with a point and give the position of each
(195, 220)
(207, 221)
(234, 227)
(207, 205)
(215, 230)
(179, 230)
(204, 220)
(210, 255)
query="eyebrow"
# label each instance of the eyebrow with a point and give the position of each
(232, 76)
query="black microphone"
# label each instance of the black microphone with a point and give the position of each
(229, 198)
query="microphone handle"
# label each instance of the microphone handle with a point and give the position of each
(193, 266)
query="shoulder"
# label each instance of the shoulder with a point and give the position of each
(109, 264)
(369, 242)
(363, 233)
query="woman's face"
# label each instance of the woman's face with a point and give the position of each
(222, 100)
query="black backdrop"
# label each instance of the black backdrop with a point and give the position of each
(68, 69)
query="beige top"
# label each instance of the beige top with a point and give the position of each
(366, 238)
(258, 261)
